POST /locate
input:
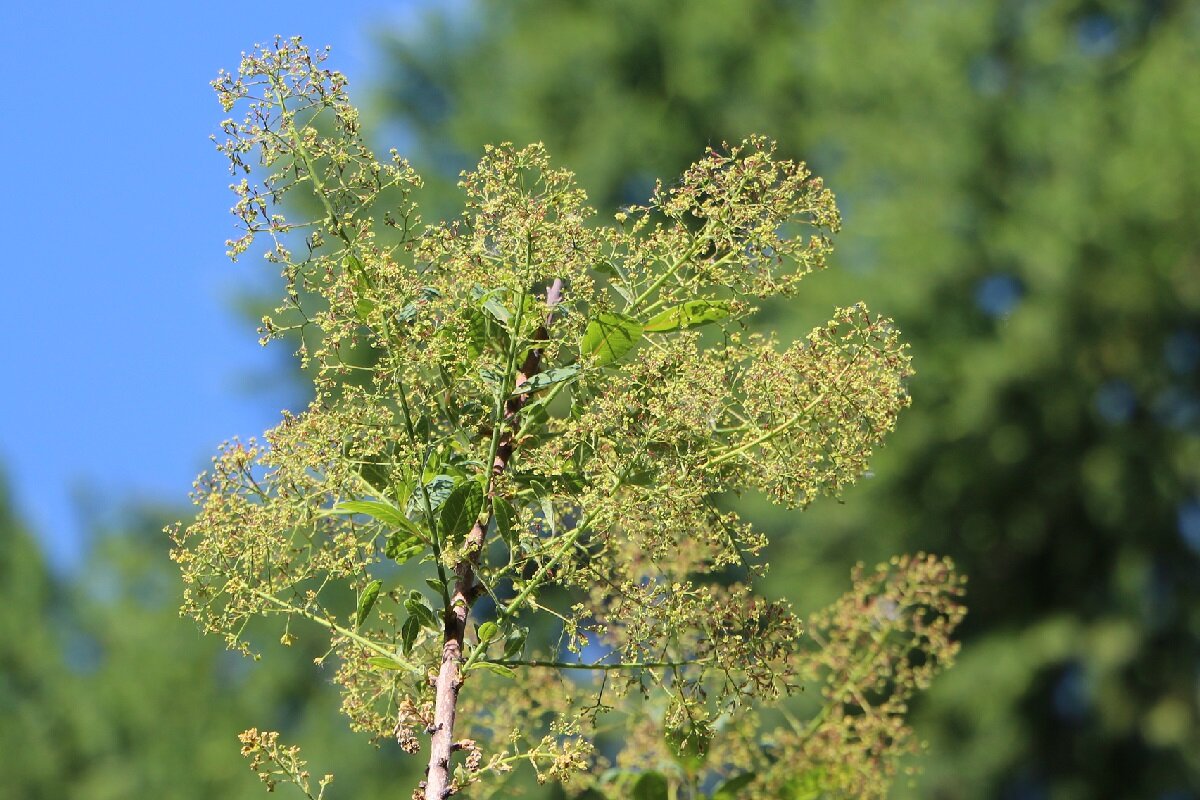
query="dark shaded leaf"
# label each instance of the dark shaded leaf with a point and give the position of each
(689, 746)
(461, 509)
(514, 643)
(728, 789)
(410, 311)
(506, 518)
(408, 633)
(650, 786)
(402, 546)
(366, 601)
(419, 608)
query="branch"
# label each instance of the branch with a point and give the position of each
(596, 667)
(466, 589)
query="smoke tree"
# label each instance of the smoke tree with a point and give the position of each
(502, 505)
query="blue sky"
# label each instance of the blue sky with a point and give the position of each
(125, 361)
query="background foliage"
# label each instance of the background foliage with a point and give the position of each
(1019, 187)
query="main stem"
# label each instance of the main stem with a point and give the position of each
(438, 784)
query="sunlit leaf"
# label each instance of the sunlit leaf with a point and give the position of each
(689, 315)
(497, 310)
(499, 669)
(383, 662)
(487, 631)
(610, 336)
(548, 378)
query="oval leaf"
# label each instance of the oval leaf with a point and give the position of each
(383, 662)
(366, 601)
(487, 631)
(497, 310)
(609, 337)
(514, 643)
(499, 669)
(650, 786)
(419, 608)
(689, 746)
(408, 634)
(461, 509)
(689, 314)
(403, 546)
(548, 378)
(380, 511)
(437, 489)
(728, 790)
(506, 517)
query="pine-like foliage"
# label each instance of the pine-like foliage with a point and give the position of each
(519, 484)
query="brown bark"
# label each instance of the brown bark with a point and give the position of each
(438, 783)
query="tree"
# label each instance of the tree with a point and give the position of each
(548, 416)
(1020, 186)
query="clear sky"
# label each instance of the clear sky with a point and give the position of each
(125, 363)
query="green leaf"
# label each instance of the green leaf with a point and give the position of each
(548, 513)
(366, 601)
(408, 634)
(689, 745)
(410, 311)
(363, 308)
(402, 546)
(476, 334)
(506, 517)
(438, 488)
(499, 669)
(418, 607)
(494, 378)
(610, 336)
(383, 662)
(809, 785)
(548, 378)
(461, 509)
(487, 631)
(436, 584)
(650, 786)
(497, 310)
(514, 643)
(589, 794)
(688, 315)
(728, 789)
(378, 510)
(377, 475)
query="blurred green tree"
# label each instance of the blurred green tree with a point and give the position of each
(1020, 184)
(107, 694)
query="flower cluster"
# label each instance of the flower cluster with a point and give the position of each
(512, 468)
